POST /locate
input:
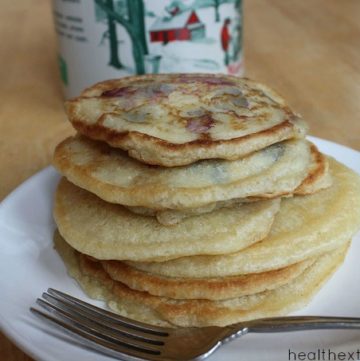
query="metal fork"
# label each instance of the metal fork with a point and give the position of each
(126, 339)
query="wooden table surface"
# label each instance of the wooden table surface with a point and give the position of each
(308, 50)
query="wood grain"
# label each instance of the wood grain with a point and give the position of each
(308, 51)
(311, 55)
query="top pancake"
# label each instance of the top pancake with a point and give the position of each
(177, 119)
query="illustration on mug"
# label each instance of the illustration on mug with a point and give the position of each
(171, 36)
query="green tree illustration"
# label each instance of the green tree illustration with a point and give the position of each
(110, 33)
(217, 14)
(113, 40)
(238, 38)
(177, 4)
(134, 25)
(212, 3)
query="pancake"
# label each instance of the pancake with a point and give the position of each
(110, 231)
(117, 178)
(177, 119)
(318, 178)
(164, 311)
(207, 288)
(305, 226)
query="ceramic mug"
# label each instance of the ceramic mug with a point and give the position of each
(103, 39)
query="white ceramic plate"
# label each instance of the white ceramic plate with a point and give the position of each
(29, 265)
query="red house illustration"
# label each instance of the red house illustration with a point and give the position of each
(183, 26)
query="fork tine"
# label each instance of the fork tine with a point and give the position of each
(110, 316)
(95, 342)
(99, 320)
(97, 329)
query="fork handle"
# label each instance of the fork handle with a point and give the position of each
(287, 324)
(300, 323)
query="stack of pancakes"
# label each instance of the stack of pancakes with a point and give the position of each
(195, 200)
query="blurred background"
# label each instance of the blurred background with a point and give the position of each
(307, 50)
